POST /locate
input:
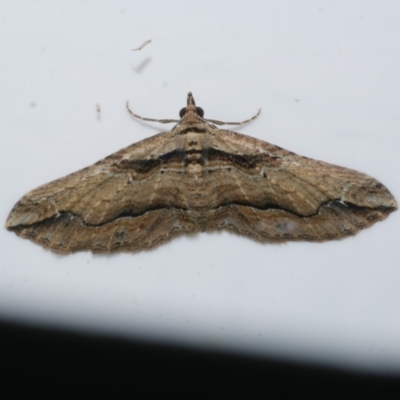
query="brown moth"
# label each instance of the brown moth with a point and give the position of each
(198, 178)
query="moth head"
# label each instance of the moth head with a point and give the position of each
(191, 105)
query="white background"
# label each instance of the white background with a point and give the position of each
(327, 76)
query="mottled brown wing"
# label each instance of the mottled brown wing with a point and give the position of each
(273, 195)
(122, 202)
(204, 180)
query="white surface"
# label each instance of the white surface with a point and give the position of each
(326, 75)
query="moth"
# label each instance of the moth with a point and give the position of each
(198, 178)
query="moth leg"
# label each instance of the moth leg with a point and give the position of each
(216, 122)
(162, 121)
